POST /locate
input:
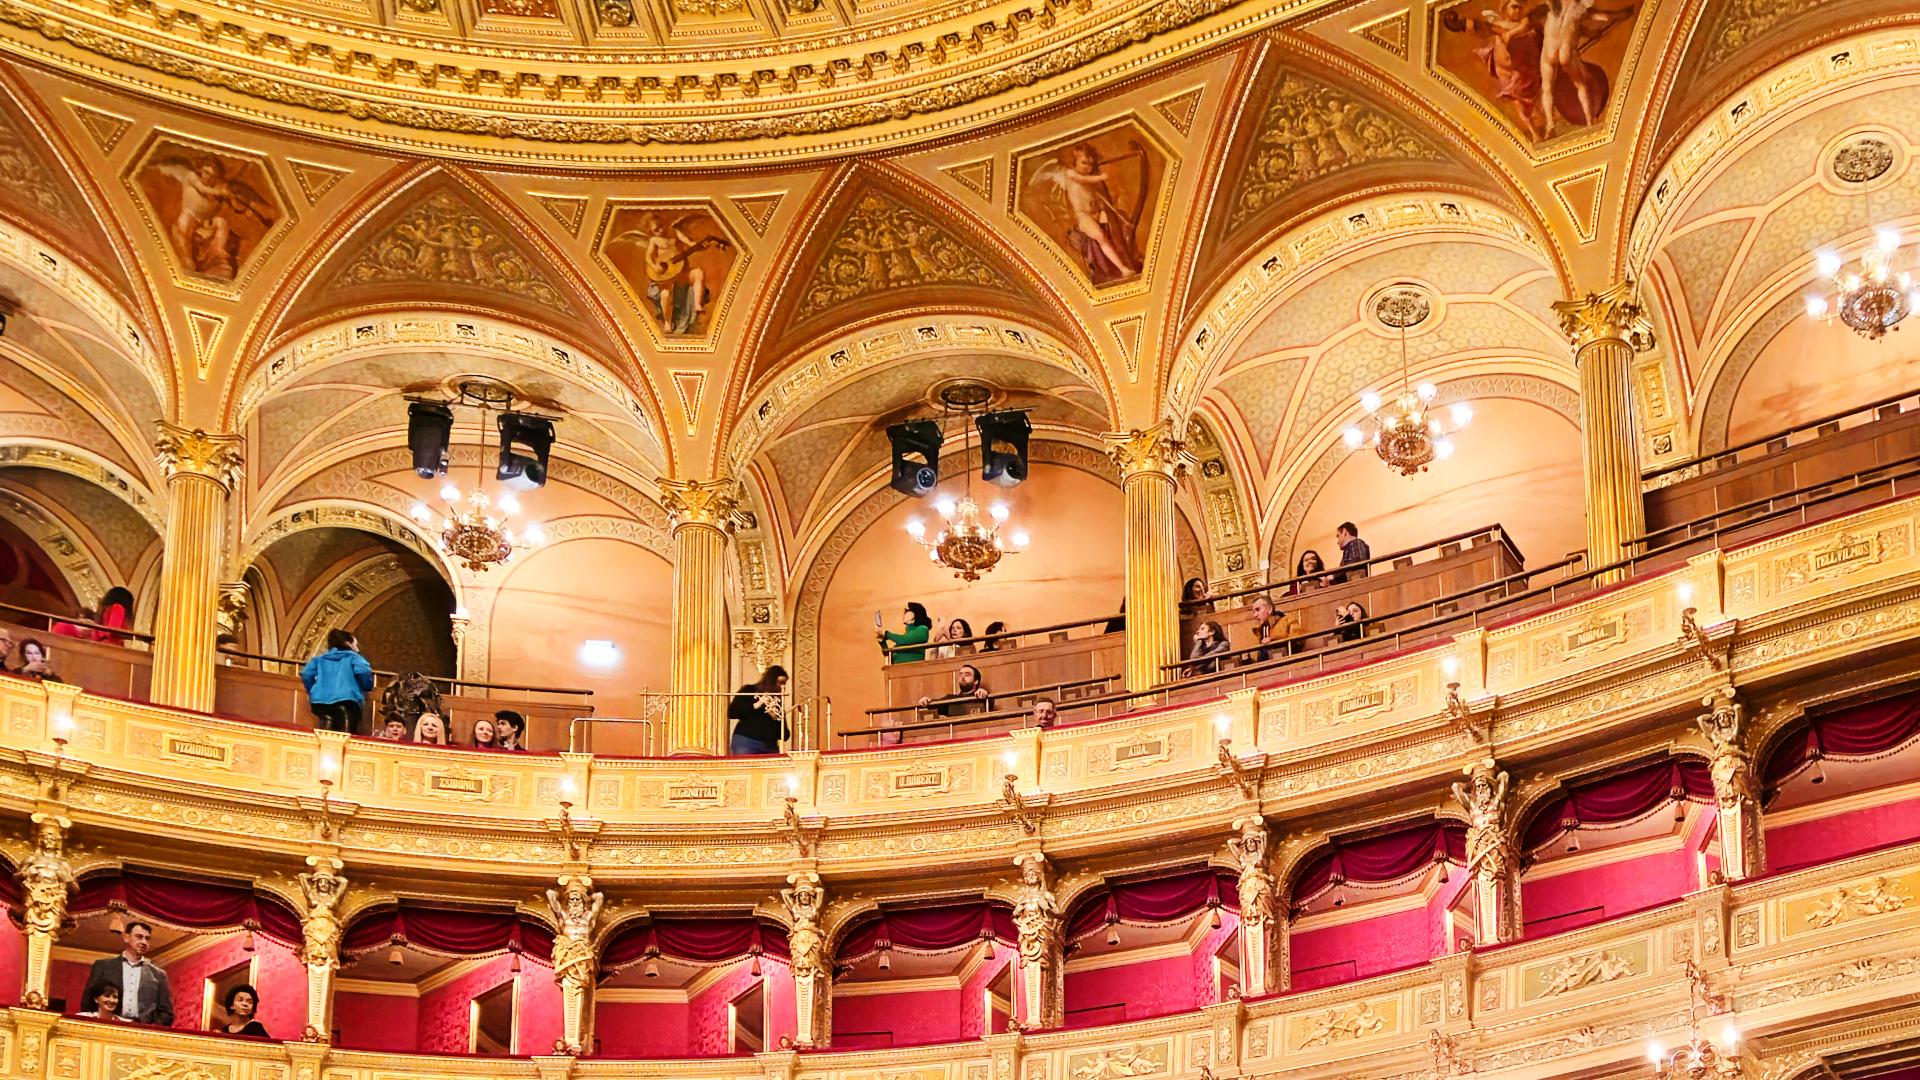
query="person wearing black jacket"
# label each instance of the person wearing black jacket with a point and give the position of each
(758, 711)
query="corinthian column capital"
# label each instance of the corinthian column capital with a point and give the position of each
(1157, 450)
(701, 502)
(1615, 314)
(194, 452)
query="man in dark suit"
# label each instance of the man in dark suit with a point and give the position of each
(1352, 550)
(145, 996)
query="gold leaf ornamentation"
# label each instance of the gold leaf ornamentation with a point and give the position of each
(443, 241)
(1310, 130)
(883, 245)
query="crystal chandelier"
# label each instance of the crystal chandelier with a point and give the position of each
(1698, 1058)
(1870, 298)
(1409, 433)
(476, 528)
(968, 544)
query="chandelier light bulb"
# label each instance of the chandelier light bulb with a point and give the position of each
(933, 553)
(509, 505)
(1730, 1035)
(1817, 307)
(1462, 414)
(1370, 401)
(450, 493)
(945, 506)
(1021, 540)
(1353, 437)
(916, 528)
(1886, 239)
(480, 497)
(1443, 449)
(1000, 512)
(1827, 262)
(1427, 391)
(1655, 1051)
(534, 537)
(420, 513)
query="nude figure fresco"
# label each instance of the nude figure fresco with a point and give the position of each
(212, 208)
(1095, 194)
(1549, 67)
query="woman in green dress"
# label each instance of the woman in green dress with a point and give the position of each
(907, 644)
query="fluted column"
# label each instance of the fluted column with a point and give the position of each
(46, 880)
(200, 469)
(1606, 329)
(1260, 922)
(807, 959)
(1040, 988)
(321, 891)
(702, 513)
(1150, 462)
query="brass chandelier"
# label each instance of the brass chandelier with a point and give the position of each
(476, 529)
(1698, 1058)
(969, 543)
(1871, 298)
(1409, 433)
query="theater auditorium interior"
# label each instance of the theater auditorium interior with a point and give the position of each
(959, 539)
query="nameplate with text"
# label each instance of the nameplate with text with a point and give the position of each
(694, 793)
(199, 751)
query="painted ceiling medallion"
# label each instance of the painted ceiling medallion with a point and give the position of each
(1863, 160)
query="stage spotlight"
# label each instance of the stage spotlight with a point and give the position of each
(1003, 447)
(916, 456)
(429, 431)
(520, 432)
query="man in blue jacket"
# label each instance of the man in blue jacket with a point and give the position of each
(337, 683)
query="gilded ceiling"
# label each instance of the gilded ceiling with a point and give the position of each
(738, 237)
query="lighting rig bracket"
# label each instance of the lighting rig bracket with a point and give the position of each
(1472, 715)
(1246, 773)
(1028, 810)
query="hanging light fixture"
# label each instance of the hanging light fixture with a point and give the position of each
(476, 528)
(1409, 433)
(969, 543)
(1699, 1058)
(1870, 298)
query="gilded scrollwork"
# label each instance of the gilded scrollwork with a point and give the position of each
(195, 452)
(883, 244)
(1311, 129)
(443, 241)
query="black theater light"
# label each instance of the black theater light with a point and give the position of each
(916, 456)
(429, 433)
(524, 442)
(1003, 447)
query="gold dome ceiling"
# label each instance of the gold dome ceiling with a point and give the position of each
(628, 82)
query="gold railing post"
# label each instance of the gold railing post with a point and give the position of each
(702, 516)
(1151, 462)
(1606, 329)
(201, 470)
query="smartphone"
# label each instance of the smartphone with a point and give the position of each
(877, 621)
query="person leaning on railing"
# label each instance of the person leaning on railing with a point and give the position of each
(759, 720)
(337, 683)
(918, 627)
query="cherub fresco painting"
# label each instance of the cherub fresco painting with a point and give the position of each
(213, 208)
(1094, 196)
(1550, 66)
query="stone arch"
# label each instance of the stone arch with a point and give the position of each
(342, 514)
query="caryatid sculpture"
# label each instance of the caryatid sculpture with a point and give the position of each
(1262, 934)
(576, 912)
(46, 879)
(805, 901)
(1735, 792)
(1036, 914)
(320, 928)
(1483, 795)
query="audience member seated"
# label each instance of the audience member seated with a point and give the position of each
(1045, 713)
(116, 612)
(915, 631)
(997, 637)
(1352, 550)
(1194, 599)
(1309, 571)
(485, 736)
(408, 697)
(969, 695)
(392, 731)
(101, 1001)
(1349, 622)
(512, 728)
(1271, 627)
(956, 629)
(241, 1003)
(144, 995)
(432, 730)
(758, 713)
(1209, 641)
(35, 661)
(6, 651)
(338, 682)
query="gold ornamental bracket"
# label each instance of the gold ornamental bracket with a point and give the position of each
(802, 831)
(1615, 314)
(1028, 810)
(183, 451)
(1244, 771)
(1474, 715)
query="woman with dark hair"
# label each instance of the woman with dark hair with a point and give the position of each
(241, 1003)
(759, 712)
(337, 683)
(917, 628)
(35, 661)
(101, 1001)
(1309, 572)
(1209, 641)
(1349, 622)
(1194, 599)
(956, 630)
(116, 611)
(997, 637)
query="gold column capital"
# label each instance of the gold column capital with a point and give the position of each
(701, 502)
(195, 452)
(1155, 450)
(1614, 314)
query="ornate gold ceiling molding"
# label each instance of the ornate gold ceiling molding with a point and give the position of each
(1750, 113)
(473, 99)
(56, 456)
(74, 284)
(1313, 247)
(850, 356)
(79, 557)
(474, 335)
(333, 513)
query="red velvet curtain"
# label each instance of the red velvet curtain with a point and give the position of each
(928, 929)
(1153, 901)
(1627, 795)
(705, 941)
(449, 932)
(1863, 731)
(188, 904)
(1386, 857)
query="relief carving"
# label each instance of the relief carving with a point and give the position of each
(883, 245)
(1310, 130)
(443, 241)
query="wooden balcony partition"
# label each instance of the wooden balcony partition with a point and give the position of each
(122, 671)
(1883, 434)
(1397, 583)
(1077, 655)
